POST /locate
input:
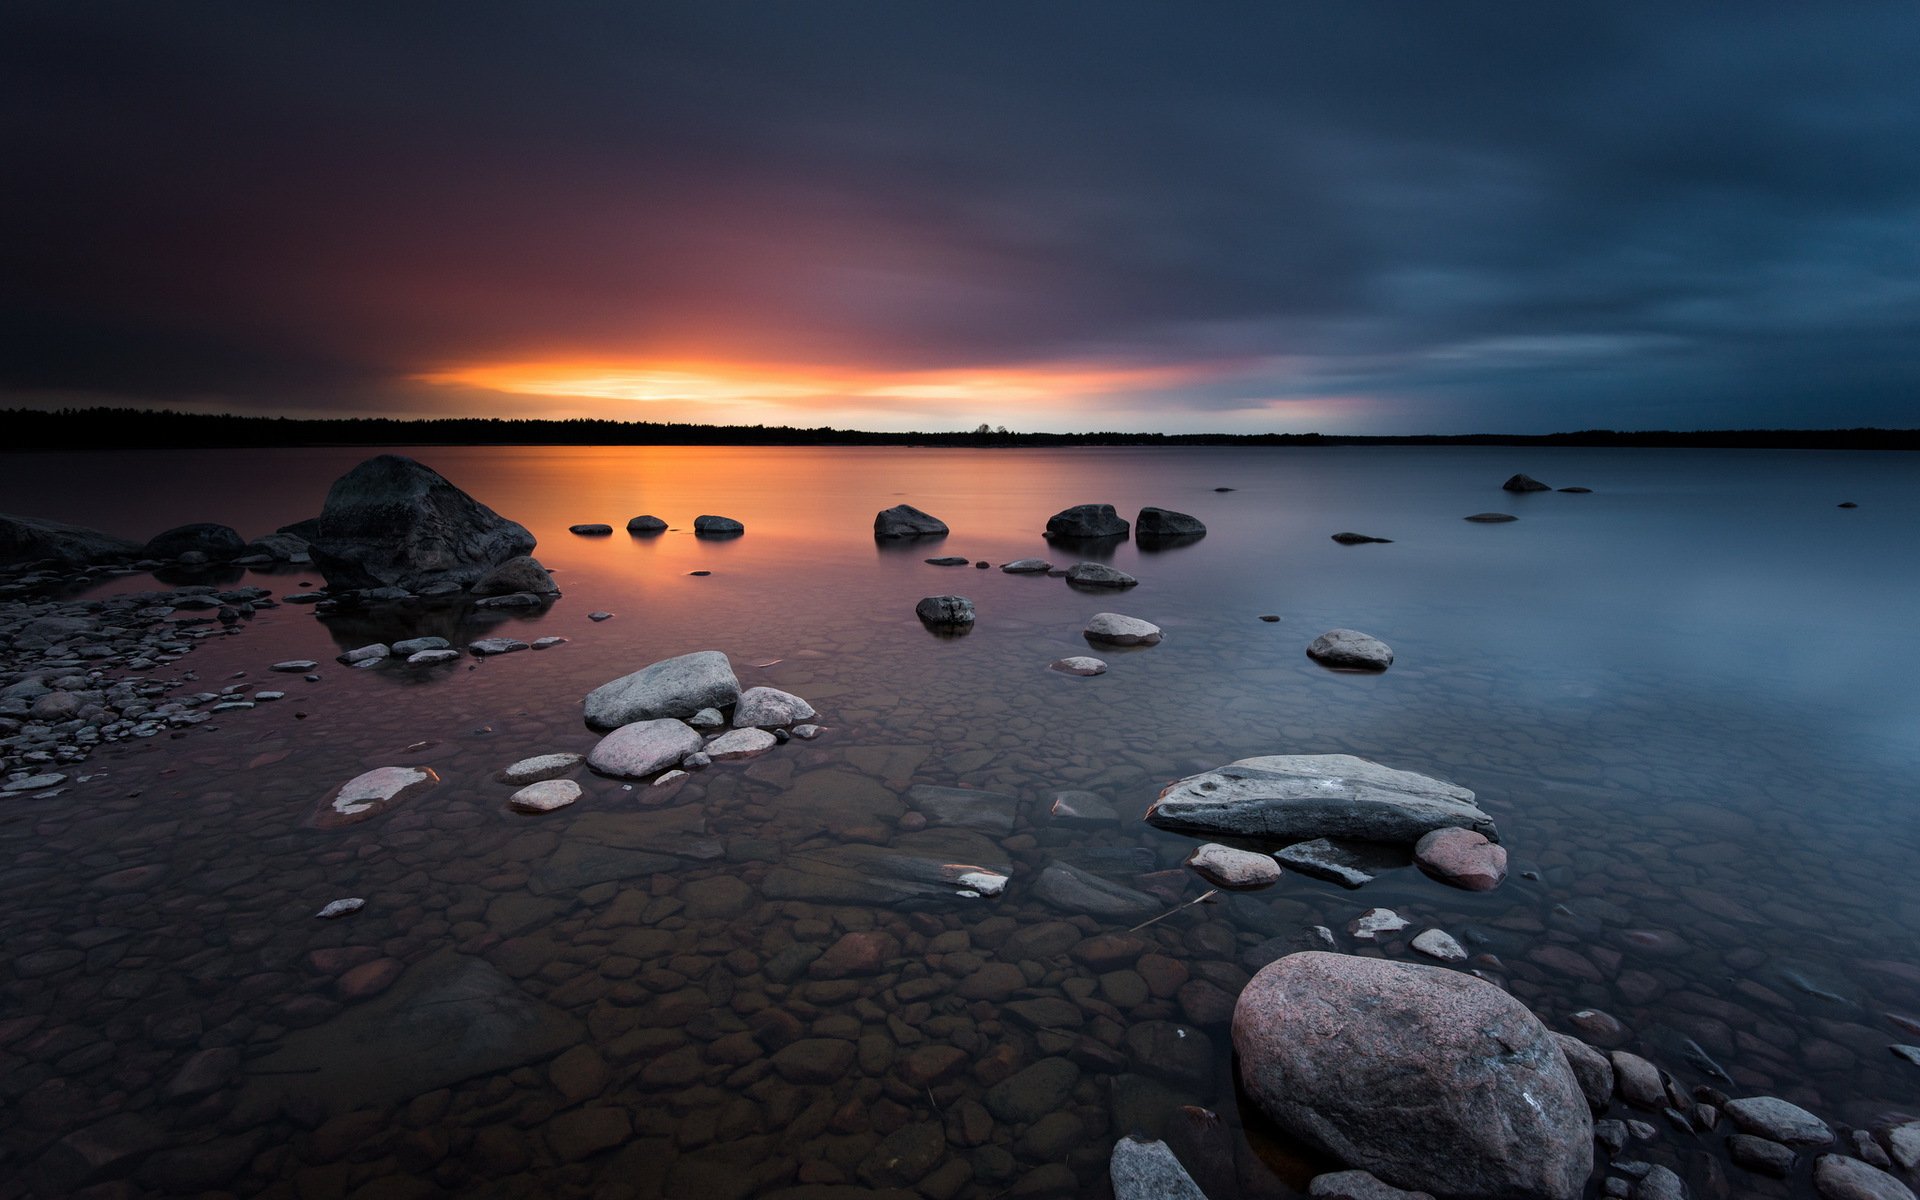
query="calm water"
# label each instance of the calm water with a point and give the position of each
(1688, 698)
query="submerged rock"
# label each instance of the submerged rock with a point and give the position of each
(1115, 629)
(393, 522)
(1350, 650)
(965, 808)
(1428, 1078)
(1295, 797)
(672, 687)
(1093, 574)
(1524, 483)
(904, 520)
(1087, 521)
(935, 868)
(1070, 889)
(521, 573)
(1165, 523)
(371, 793)
(1323, 858)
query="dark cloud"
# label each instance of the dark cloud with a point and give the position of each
(1462, 216)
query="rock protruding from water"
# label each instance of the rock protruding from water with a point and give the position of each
(641, 748)
(1323, 858)
(1350, 650)
(1144, 1170)
(521, 573)
(540, 767)
(707, 525)
(1078, 664)
(1491, 518)
(1297, 797)
(218, 542)
(673, 687)
(591, 529)
(1234, 869)
(371, 793)
(770, 708)
(1524, 483)
(29, 539)
(394, 522)
(945, 612)
(646, 523)
(1165, 523)
(1093, 574)
(1428, 1078)
(1358, 539)
(544, 796)
(1115, 629)
(1087, 521)
(1463, 858)
(905, 521)
(1027, 566)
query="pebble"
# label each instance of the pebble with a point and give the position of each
(1438, 944)
(1078, 665)
(340, 908)
(599, 616)
(1376, 921)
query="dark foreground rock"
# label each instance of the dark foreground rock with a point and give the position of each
(708, 525)
(904, 520)
(1358, 539)
(945, 612)
(1296, 797)
(1428, 1078)
(218, 542)
(28, 539)
(1524, 483)
(522, 573)
(672, 687)
(394, 522)
(1087, 521)
(1165, 523)
(646, 523)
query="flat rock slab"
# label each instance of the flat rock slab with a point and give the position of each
(637, 750)
(1430, 1079)
(1027, 566)
(740, 743)
(450, 1017)
(935, 868)
(1297, 797)
(1236, 870)
(672, 687)
(1070, 889)
(1116, 629)
(1078, 664)
(371, 793)
(965, 808)
(1350, 650)
(1093, 574)
(486, 647)
(767, 708)
(1491, 518)
(545, 796)
(541, 766)
(1324, 858)
(1358, 539)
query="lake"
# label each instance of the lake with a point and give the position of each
(1690, 698)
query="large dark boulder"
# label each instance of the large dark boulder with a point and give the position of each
(1087, 521)
(394, 522)
(904, 520)
(1165, 523)
(1524, 483)
(29, 539)
(522, 573)
(218, 542)
(1430, 1079)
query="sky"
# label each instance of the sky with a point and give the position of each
(1348, 216)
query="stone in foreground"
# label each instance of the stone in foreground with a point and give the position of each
(945, 612)
(640, 748)
(1087, 521)
(1429, 1079)
(1838, 1178)
(673, 687)
(904, 520)
(393, 522)
(1115, 629)
(1296, 797)
(1236, 870)
(1143, 1170)
(1350, 650)
(1462, 858)
(1165, 523)
(371, 793)
(766, 707)
(545, 796)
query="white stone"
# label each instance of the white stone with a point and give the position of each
(545, 796)
(1376, 921)
(1224, 866)
(1116, 629)
(373, 790)
(740, 743)
(667, 778)
(1078, 664)
(806, 733)
(539, 767)
(1437, 943)
(643, 747)
(340, 908)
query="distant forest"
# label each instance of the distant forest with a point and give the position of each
(128, 428)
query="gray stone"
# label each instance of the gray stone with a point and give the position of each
(410, 646)
(1093, 574)
(392, 521)
(371, 793)
(1083, 808)
(1592, 1069)
(1350, 650)
(294, 666)
(1323, 858)
(707, 718)
(1087, 521)
(544, 796)
(1293, 798)
(540, 767)
(1165, 523)
(513, 600)
(766, 708)
(1838, 1178)
(1430, 1079)
(673, 687)
(1034, 1092)
(739, 743)
(1638, 1081)
(1659, 1183)
(369, 653)
(1440, 945)
(640, 748)
(1115, 629)
(1070, 889)
(707, 525)
(1078, 664)
(1236, 870)
(1148, 1170)
(522, 573)
(964, 808)
(1358, 1185)
(342, 907)
(1027, 566)
(433, 658)
(1374, 922)
(945, 612)
(904, 520)
(487, 647)
(1760, 1155)
(1772, 1117)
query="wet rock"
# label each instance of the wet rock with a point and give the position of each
(1358, 1185)
(1374, 922)
(1524, 483)
(369, 653)
(814, 1060)
(766, 707)
(103, 1150)
(340, 908)
(673, 687)
(590, 529)
(1439, 944)
(1463, 858)
(1350, 650)
(1027, 566)
(904, 521)
(540, 767)
(218, 542)
(585, 1132)
(1165, 523)
(639, 749)
(371, 793)
(544, 796)
(707, 525)
(294, 666)
(905, 1156)
(740, 743)
(1297, 797)
(33, 783)
(945, 612)
(947, 560)
(1087, 521)
(1759, 1155)
(1774, 1118)
(1034, 1092)
(1638, 1081)
(488, 647)
(410, 646)
(1491, 518)
(1358, 539)
(1658, 1183)
(1592, 1069)
(1093, 574)
(935, 868)
(1839, 1178)
(1073, 890)
(1148, 1170)
(1323, 858)
(1114, 629)
(204, 1072)
(1431, 1079)
(393, 522)
(965, 808)
(29, 539)
(1238, 870)
(1082, 808)
(521, 573)
(1078, 665)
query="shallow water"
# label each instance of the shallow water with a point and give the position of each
(1688, 698)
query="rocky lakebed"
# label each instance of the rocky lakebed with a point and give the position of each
(731, 923)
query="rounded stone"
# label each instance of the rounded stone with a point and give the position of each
(1350, 650)
(544, 796)
(1462, 858)
(1116, 629)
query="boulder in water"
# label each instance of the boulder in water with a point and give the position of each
(1350, 650)
(707, 525)
(1116, 629)
(646, 524)
(394, 522)
(1087, 521)
(29, 539)
(673, 687)
(1296, 797)
(1165, 523)
(218, 542)
(1093, 574)
(1430, 1079)
(637, 750)
(945, 612)
(1524, 483)
(904, 520)
(521, 573)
